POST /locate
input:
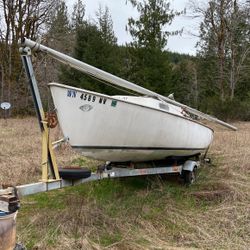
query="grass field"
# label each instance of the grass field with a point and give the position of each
(132, 213)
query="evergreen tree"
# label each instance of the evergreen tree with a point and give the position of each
(58, 37)
(78, 14)
(185, 82)
(150, 67)
(96, 45)
(59, 32)
(105, 25)
(148, 30)
(108, 42)
(85, 49)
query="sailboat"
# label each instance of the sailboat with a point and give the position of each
(125, 128)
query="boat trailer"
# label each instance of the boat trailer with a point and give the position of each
(54, 178)
(10, 197)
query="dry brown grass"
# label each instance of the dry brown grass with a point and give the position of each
(20, 151)
(213, 214)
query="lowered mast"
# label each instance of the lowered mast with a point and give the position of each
(107, 77)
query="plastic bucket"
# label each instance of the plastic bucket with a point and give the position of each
(7, 231)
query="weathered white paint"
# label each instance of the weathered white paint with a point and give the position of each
(126, 128)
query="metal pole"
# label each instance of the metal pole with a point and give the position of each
(5, 113)
(48, 158)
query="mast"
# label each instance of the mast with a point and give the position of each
(107, 77)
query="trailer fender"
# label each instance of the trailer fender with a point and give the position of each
(190, 165)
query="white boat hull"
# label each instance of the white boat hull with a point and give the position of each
(110, 129)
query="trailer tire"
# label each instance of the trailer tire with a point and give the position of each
(74, 173)
(189, 176)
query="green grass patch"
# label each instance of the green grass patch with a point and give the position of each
(107, 239)
(100, 205)
(85, 162)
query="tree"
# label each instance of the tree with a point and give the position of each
(214, 24)
(148, 31)
(58, 36)
(223, 68)
(96, 45)
(239, 44)
(78, 15)
(59, 31)
(150, 67)
(105, 26)
(223, 40)
(19, 19)
(185, 82)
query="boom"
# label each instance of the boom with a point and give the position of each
(107, 77)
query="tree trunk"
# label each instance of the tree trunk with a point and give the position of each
(232, 73)
(196, 91)
(221, 74)
(221, 49)
(2, 83)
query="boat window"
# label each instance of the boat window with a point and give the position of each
(163, 106)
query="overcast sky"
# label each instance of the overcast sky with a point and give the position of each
(120, 13)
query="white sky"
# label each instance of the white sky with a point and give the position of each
(120, 13)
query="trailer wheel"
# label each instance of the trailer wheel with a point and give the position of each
(189, 176)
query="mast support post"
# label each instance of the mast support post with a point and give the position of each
(49, 165)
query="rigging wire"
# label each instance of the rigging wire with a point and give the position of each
(113, 86)
(104, 82)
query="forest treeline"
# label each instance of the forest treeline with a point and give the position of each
(216, 80)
